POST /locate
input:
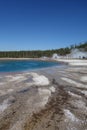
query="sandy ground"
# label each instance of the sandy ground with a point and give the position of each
(47, 99)
(74, 62)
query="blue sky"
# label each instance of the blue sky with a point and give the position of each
(42, 24)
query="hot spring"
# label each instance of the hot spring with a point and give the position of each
(24, 65)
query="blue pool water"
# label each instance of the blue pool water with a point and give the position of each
(24, 65)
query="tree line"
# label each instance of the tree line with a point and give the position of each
(40, 53)
(33, 54)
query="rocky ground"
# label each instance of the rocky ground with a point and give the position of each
(48, 99)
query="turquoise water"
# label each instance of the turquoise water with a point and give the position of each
(24, 65)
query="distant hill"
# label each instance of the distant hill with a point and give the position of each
(83, 46)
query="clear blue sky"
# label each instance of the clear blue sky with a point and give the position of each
(42, 24)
